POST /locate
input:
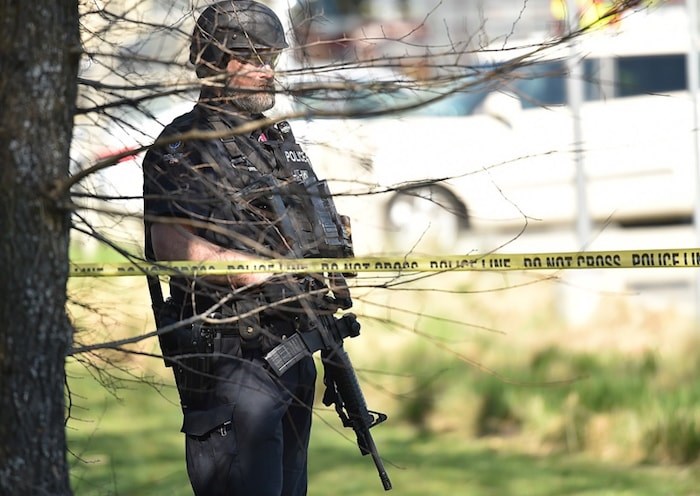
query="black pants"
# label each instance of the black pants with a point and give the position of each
(262, 451)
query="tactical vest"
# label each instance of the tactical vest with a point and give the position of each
(287, 202)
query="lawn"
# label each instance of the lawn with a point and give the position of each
(130, 445)
(467, 381)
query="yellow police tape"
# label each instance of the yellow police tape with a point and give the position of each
(471, 262)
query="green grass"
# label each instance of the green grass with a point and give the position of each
(639, 408)
(101, 252)
(558, 417)
(132, 446)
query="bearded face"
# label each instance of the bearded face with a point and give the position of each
(250, 83)
(253, 103)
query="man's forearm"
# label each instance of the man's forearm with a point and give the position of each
(173, 242)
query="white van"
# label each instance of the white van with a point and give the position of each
(508, 157)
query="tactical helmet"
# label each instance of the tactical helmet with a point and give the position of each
(230, 25)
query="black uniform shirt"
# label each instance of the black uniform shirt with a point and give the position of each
(199, 180)
(211, 186)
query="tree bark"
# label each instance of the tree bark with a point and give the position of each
(39, 54)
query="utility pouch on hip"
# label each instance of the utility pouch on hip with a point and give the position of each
(248, 313)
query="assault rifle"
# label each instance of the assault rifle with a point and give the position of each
(342, 387)
(328, 237)
(343, 390)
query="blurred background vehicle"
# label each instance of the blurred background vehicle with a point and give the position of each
(500, 153)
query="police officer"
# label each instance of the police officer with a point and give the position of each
(247, 430)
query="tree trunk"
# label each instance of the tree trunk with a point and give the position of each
(39, 54)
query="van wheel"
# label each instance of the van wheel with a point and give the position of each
(428, 216)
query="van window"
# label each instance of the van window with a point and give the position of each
(650, 74)
(544, 84)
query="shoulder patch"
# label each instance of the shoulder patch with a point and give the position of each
(175, 153)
